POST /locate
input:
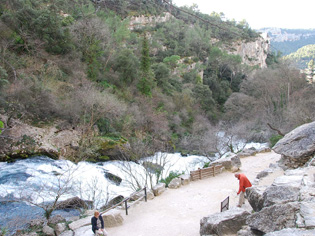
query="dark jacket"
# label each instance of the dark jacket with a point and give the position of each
(94, 223)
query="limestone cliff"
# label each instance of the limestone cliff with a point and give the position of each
(137, 22)
(252, 53)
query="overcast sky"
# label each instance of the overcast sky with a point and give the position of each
(290, 14)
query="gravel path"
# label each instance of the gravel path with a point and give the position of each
(177, 212)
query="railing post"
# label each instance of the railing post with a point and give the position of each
(145, 194)
(126, 206)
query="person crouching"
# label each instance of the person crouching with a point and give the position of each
(98, 224)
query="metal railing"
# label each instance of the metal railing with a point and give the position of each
(125, 201)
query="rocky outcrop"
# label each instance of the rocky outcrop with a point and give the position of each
(138, 22)
(297, 147)
(253, 53)
(21, 140)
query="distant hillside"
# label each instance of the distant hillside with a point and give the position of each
(288, 41)
(303, 55)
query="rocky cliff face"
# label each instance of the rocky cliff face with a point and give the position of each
(138, 22)
(252, 53)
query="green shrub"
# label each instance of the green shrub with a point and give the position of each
(274, 139)
(171, 176)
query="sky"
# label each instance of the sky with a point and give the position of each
(289, 14)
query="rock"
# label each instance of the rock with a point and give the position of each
(297, 147)
(59, 228)
(294, 181)
(140, 194)
(307, 211)
(113, 178)
(232, 162)
(223, 223)
(112, 218)
(48, 230)
(255, 197)
(185, 179)
(56, 219)
(292, 232)
(274, 218)
(37, 223)
(247, 231)
(158, 189)
(74, 202)
(264, 173)
(80, 223)
(113, 202)
(280, 194)
(247, 152)
(67, 233)
(84, 231)
(175, 183)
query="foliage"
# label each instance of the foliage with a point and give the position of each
(302, 55)
(172, 175)
(170, 81)
(1, 126)
(146, 83)
(274, 139)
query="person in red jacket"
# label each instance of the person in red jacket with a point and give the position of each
(244, 183)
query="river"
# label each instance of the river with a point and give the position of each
(40, 179)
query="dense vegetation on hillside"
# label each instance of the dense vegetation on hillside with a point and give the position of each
(76, 63)
(303, 55)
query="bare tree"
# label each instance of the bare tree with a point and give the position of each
(94, 191)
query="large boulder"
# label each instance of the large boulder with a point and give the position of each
(185, 179)
(224, 223)
(175, 183)
(297, 147)
(80, 223)
(274, 218)
(280, 194)
(74, 202)
(112, 218)
(255, 197)
(158, 189)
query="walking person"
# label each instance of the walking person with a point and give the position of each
(98, 224)
(244, 183)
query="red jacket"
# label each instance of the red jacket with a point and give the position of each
(244, 183)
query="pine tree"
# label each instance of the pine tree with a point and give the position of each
(146, 82)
